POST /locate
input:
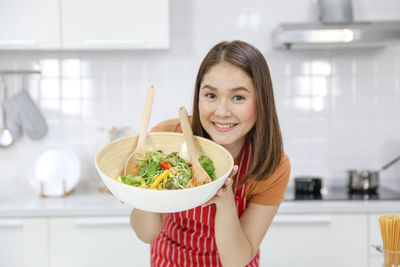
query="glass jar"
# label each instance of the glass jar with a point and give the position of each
(392, 258)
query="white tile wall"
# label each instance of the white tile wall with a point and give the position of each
(338, 109)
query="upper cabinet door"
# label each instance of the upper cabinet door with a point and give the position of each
(115, 24)
(26, 24)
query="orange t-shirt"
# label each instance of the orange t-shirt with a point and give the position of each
(267, 192)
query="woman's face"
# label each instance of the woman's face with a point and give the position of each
(227, 105)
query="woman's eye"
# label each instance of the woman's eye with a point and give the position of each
(211, 95)
(238, 97)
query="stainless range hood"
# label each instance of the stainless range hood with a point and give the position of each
(336, 29)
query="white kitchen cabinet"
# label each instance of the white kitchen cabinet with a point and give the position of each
(23, 242)
(84, 25)
(95, 241)
(26, 24)
(316, 240)
(115, 24)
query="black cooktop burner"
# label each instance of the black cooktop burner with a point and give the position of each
(342, 193)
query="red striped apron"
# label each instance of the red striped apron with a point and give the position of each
(187, 238)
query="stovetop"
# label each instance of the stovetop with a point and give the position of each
(338, 193)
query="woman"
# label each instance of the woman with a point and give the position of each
(233, 106)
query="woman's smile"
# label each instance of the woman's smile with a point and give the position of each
(224, 127)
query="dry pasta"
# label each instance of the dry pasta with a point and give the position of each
(390, 230)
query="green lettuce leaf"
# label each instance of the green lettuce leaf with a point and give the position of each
(208, 166)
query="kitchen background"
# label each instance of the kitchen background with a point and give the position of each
(338, 109)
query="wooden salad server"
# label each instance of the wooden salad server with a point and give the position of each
(130, 166)
(199, 175)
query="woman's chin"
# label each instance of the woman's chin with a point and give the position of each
(224, 140)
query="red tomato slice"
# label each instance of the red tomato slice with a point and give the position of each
(165, 165)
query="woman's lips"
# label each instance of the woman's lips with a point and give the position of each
(224, 127)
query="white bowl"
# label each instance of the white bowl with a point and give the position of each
(110, 162)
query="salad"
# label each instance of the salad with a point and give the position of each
(165, 172)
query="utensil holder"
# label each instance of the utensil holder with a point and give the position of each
(42, 194)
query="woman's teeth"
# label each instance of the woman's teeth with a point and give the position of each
(224, 125)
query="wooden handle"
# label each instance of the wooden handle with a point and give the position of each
(145, 120)
(200, 176)
(188, 134)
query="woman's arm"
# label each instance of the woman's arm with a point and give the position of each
(239, 239)
(147, 225)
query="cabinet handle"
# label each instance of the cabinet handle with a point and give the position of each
(18, 42)
(302, 219)
(11, 224)
(114, 43)
(101, 222)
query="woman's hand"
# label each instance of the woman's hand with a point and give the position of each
(224, 195)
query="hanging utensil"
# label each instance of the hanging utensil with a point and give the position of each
(199, 175)
(131, 166)
(6, 138)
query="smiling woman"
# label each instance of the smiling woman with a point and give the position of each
(234, 107)
(227, 106)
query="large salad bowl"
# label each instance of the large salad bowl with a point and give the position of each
(110, 162)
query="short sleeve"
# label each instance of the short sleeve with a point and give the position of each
(171, 125)
(272, 191)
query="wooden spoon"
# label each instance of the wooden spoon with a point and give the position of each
(131, 167)
(199, 175)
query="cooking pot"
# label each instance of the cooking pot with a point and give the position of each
(308, 184)
(366, 180)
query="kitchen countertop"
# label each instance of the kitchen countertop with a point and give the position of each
(87, 200)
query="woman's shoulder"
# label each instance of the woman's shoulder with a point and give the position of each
(285, 163)
(171, 125)
(281, 173)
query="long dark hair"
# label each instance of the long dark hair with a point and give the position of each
(265, 135)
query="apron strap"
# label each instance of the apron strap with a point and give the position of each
(244, 162)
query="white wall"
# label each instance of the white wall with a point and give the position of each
(338, 109)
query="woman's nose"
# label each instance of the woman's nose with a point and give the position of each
(222, 109)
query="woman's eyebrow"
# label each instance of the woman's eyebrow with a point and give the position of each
(236, 89)
(207, 86)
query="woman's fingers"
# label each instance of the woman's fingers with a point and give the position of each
(234, 170)
(228, 183)
(221, 192)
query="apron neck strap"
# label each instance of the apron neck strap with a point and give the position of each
(244, 161)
